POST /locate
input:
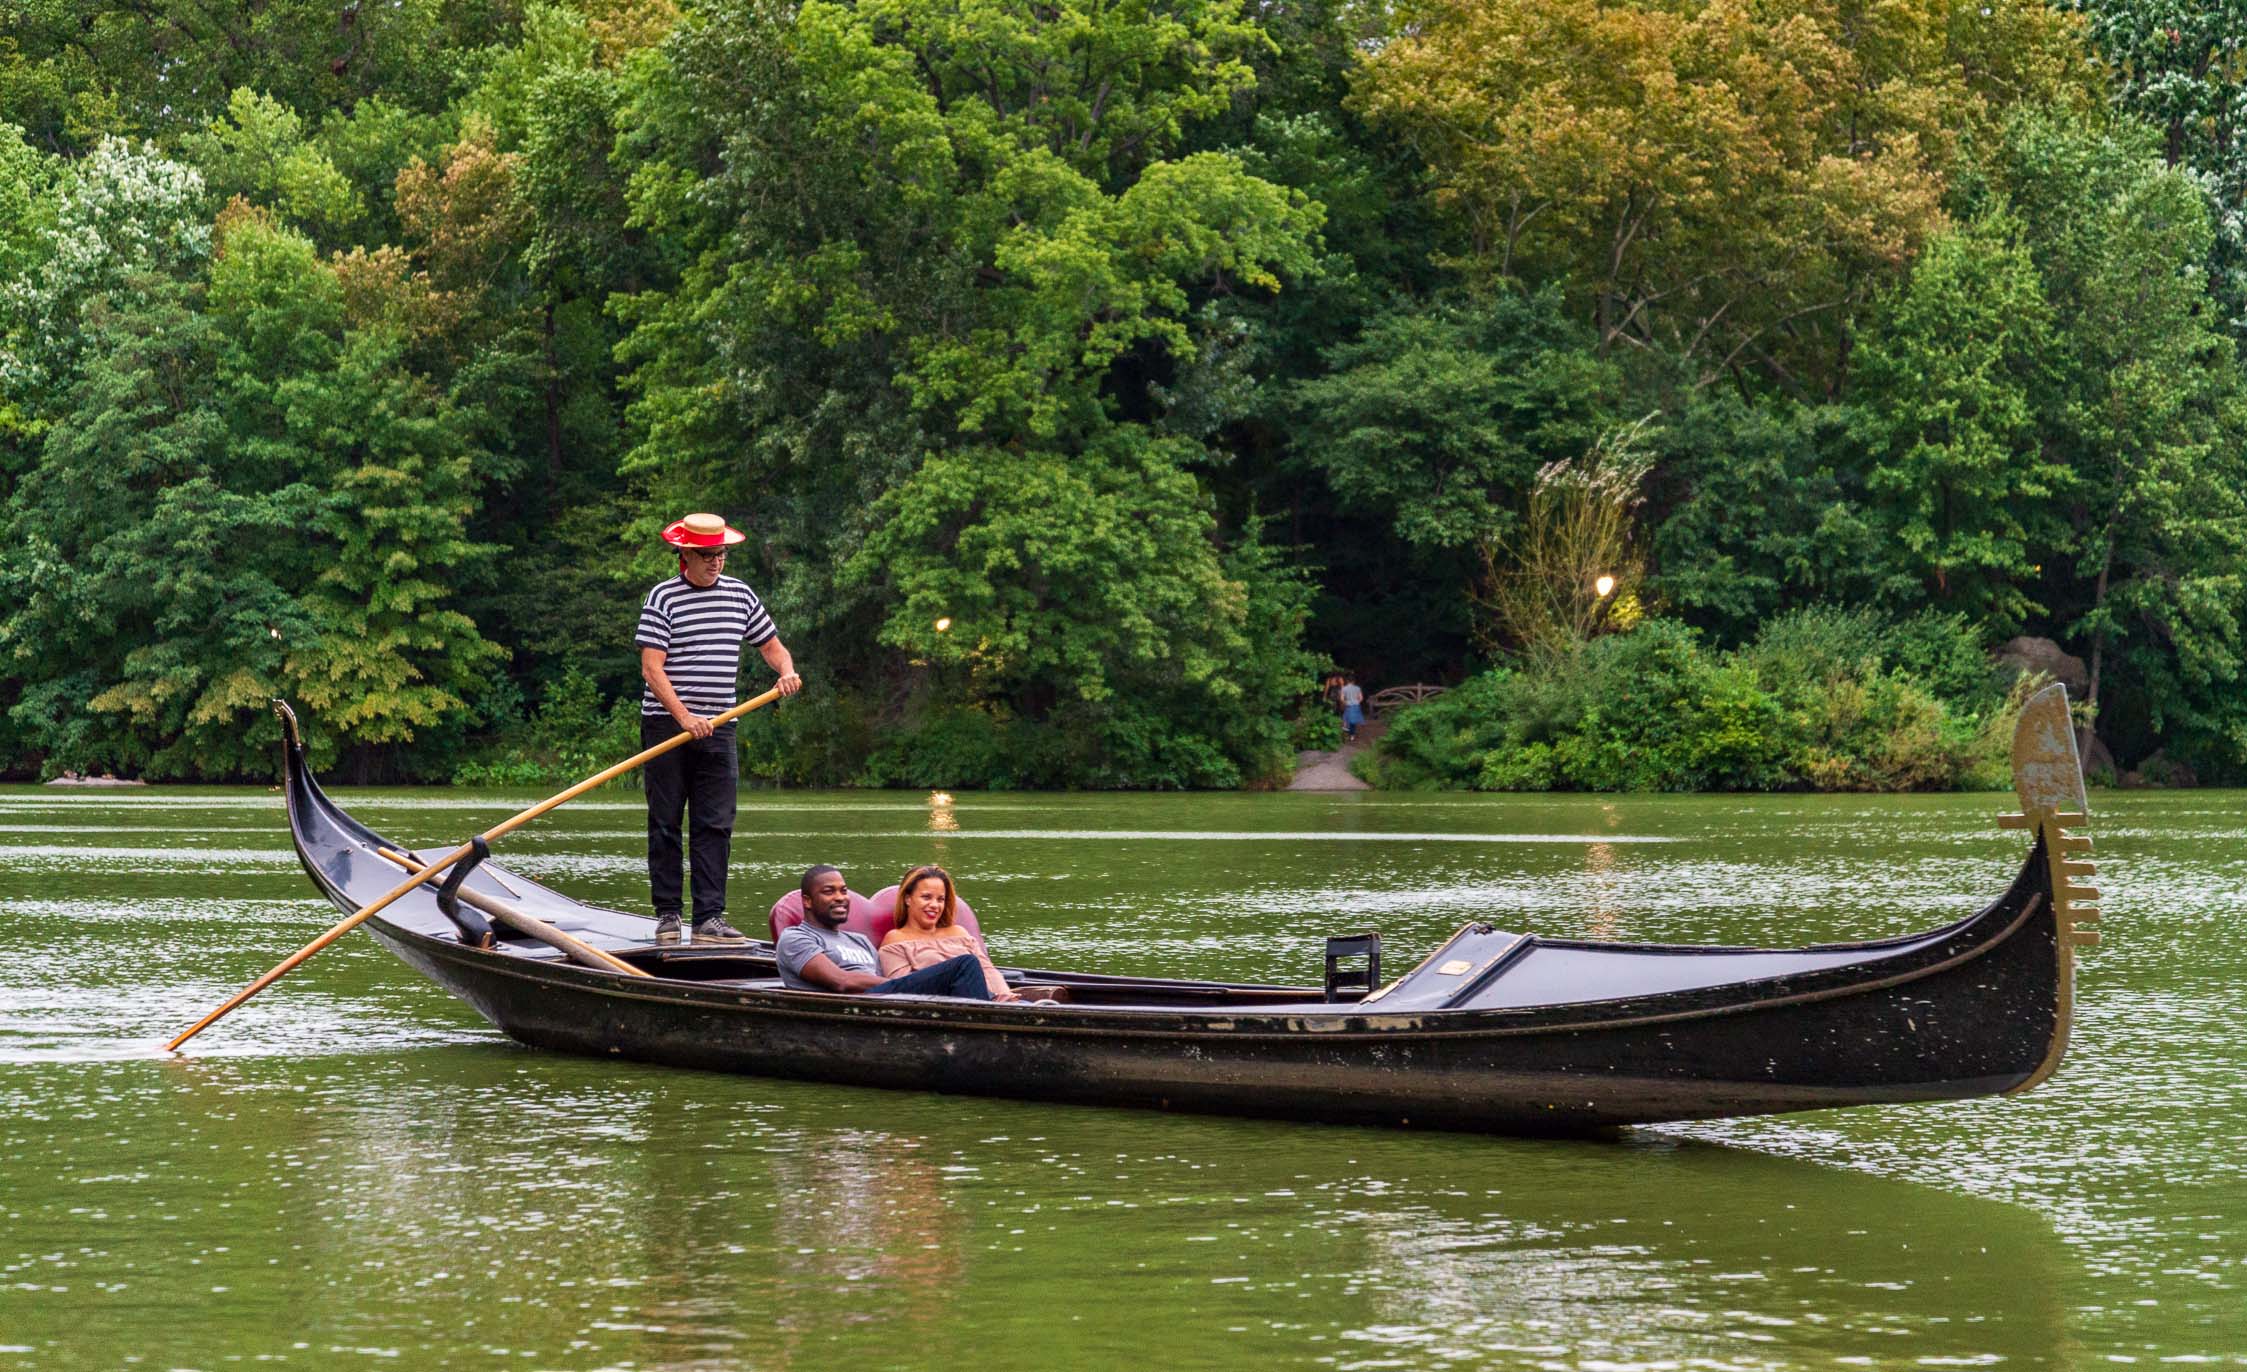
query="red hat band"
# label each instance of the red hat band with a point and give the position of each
(702, 531)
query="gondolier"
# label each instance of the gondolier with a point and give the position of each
(691, 630)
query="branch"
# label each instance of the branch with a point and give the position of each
(1092, 120)
(1517, 224)
(1748, 343)
(935, 82)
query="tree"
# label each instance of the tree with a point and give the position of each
(1759, 507)
(938, 250)
(146, 580)
(80, 70)
(2178, 68)
(1718, 183)
(1952, 384)
(1089, 587)
(25, 202)
(1439, 416)
(26, 208)
(259, 150)
(125, 218)
(239, 497)
(391, 657)
(104, 357)
(382, 652)
(2150, 420)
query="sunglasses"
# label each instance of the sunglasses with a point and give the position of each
(707, 555)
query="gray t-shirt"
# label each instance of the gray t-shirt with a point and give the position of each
(800, 943)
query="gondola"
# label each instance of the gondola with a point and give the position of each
(1494, 1030)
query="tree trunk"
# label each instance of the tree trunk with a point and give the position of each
(2098, 652)
(553, 415)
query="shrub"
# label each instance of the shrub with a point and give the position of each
(1317, 730)
(958, 746)
(572, 736)
(1662, 715)
(819, 737)
(1947, 655)
(1533, 767)
(1537, 588)
(1819, 644)
(1439, 744)
(1873, 704)
(1811, 647)
(1823, 700)
(1083, 746)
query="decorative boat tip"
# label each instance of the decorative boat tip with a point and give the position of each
(2048, 778)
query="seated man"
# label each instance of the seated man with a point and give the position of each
(819, 955)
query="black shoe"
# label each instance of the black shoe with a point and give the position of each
(666, 928)
(716, 930)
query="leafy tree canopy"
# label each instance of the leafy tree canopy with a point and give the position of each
(1716, 181)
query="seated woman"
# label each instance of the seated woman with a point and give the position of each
(926, 933)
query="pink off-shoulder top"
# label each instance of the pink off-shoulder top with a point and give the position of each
(902, 952)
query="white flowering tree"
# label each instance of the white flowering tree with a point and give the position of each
(119, 215)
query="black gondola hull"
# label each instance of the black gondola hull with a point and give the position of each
(1665, 1033)
(1974, 1025)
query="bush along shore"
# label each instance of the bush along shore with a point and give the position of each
(1821, 700)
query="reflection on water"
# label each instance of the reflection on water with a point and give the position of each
(1797, 1255)
(1603, 919)
(482, 1199)
(354, 1169)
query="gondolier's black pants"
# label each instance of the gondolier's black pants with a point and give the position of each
(698, 777)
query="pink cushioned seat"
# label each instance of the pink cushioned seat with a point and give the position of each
(885, 910)
(789, 910)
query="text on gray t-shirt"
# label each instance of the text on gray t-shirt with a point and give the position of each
(800, 943)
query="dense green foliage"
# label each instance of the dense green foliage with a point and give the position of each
(1821, 699)
(1163, 353)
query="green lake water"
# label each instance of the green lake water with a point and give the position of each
(355, 1171)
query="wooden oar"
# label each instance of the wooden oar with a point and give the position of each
(297, 958)
(578, 949)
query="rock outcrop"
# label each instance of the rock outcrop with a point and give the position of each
(2043, 655)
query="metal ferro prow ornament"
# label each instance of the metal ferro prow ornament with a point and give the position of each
(2048, 778)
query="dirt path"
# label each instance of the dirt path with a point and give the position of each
(1331, 771)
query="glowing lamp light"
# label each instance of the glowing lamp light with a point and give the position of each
(943, 623)
(938, 799)
(273, 630)
(1605, 586)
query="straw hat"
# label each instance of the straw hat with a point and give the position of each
(702, 531)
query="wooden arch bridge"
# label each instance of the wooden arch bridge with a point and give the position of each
(1390, 698)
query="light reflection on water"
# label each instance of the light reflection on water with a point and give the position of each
(355, 1169)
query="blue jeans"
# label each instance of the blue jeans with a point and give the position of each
(960, 976)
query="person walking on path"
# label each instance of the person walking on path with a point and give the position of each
(1353, 708)
(691, 630)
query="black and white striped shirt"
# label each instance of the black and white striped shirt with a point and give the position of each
(700, 631)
